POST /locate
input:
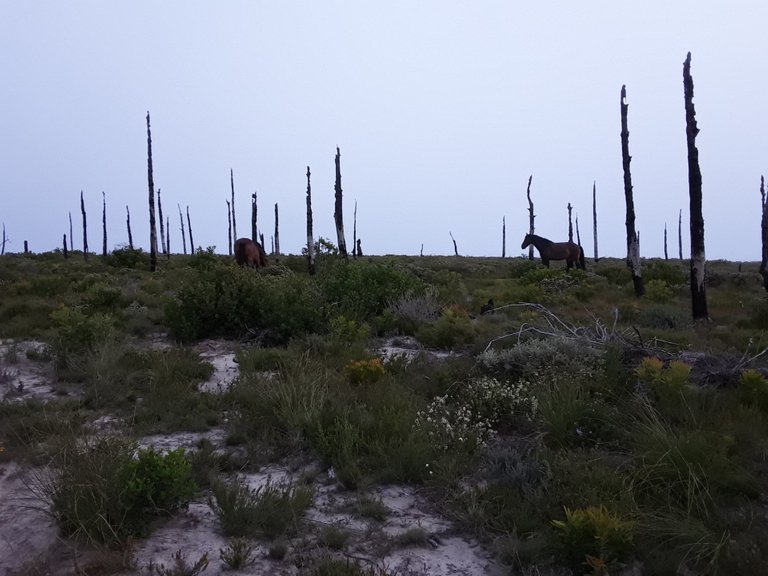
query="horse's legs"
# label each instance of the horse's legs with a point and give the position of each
(545, 261)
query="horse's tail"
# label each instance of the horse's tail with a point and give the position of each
(582, 261)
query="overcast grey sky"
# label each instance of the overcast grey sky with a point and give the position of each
(442, 109)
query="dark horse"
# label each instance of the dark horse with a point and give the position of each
(548, 250)
(250, 253)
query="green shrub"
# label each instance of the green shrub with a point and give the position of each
(666, 273)
(237, 554)
(450, 331)
(753, 389)
(364, 371)
(594, 537)
(128, 258)
(270, 511)
(658, 291)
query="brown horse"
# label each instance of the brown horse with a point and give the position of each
(250, 253)
(548, 250)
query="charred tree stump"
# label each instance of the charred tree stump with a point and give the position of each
(128, 225)
(66, 253)
(189, 228)
(698, 257)
(633, 241)
(680, 233)
(71, 236)
(104, 224)
(503, 236)
(666, 255)
(570, 223)
(85, 227)
(359, 248)
(338, 215)
(162, 225)
(310, 239)
(229, 227)
(531, 216)
(578, 236)
(354, 232)
(26, 247)
(254, 215)
(232, 188)
(168, 237)
(455, 249)
(151, 188)
(261, 239)
(594, 216)
(276, 250)
(2, 247)
(764, 235)
(181, 227)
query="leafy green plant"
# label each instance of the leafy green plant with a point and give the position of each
(364, 371)
(594, 536)
(753, 389)
(237, 554)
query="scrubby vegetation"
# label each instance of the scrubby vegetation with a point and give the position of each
(575, 427)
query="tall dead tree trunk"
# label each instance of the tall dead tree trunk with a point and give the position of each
(578, 236)
(354, 232)
(232, 188)
(594, 216)
(455, 249)
(338, 215)
(698, 257)
(570, 223)
(151, 187)
(764, 235)
(168, 237)
(104, 224)
(85, 227)
(2, 248)
(359, 248)
(229, 227)
(181, 227)
(680, 233)
(666, 255)
(71, 236)
(633, 242)
(276, 251)
(503, 236)
(531, 216)
(26, 247)
(189, 228)
(66, 253)
(254, 216)
(310, 239)
(162, 225)
(128, 225)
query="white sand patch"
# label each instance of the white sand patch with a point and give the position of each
(221, 355)
(22, 378)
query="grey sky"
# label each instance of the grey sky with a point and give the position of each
(442, 109)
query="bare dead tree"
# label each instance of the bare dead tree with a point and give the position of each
(2, 247)
(26, 247)
(261, 239)
(594, 216)
(503, 236)
(633, 242)
(189, 228)
(354, 232)
(570, 223)
(162, 225)
(310, 239)
(66, 253)
(276, 250)
(421, 252)
(531, 216)
(455, 249)
(151, 187)
(183, 234)
(666, 256)
(338, 215)
(104, 224)
(698, 257)
(229, 227)
(680, 233)
(578, 236)
(168, 237)
(71, 236)
(85, 227)
(764, 235)
(232, 187)
(359, 249)
(128, 225)
(254, 215)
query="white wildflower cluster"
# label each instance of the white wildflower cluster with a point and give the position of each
(470, 417)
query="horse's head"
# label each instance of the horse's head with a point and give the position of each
(526, 242)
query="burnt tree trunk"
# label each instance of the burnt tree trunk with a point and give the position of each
(66, 253)
(633, 241)
(666, 255)
(531, 216)
(189, 228)
(151, 187)
(162, 225)
(168, 237)
(254, 215)
(229, 227)
(183, 233)
(261, 239)
(85, 227)
(359, 248)
(594, 216)
(310, 239)
(570, 223)
(455, 249)
(232, 188)
(2, 247)
(578, 236)
(503, 236)
(128, 225)
(338, 214)
(26, 247)
(277, 235)
(764, 235)
(680, 233)
(354, 232)
(71, 236)
(698, 257)
(104, 224)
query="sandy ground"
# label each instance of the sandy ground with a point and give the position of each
(29, 542)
